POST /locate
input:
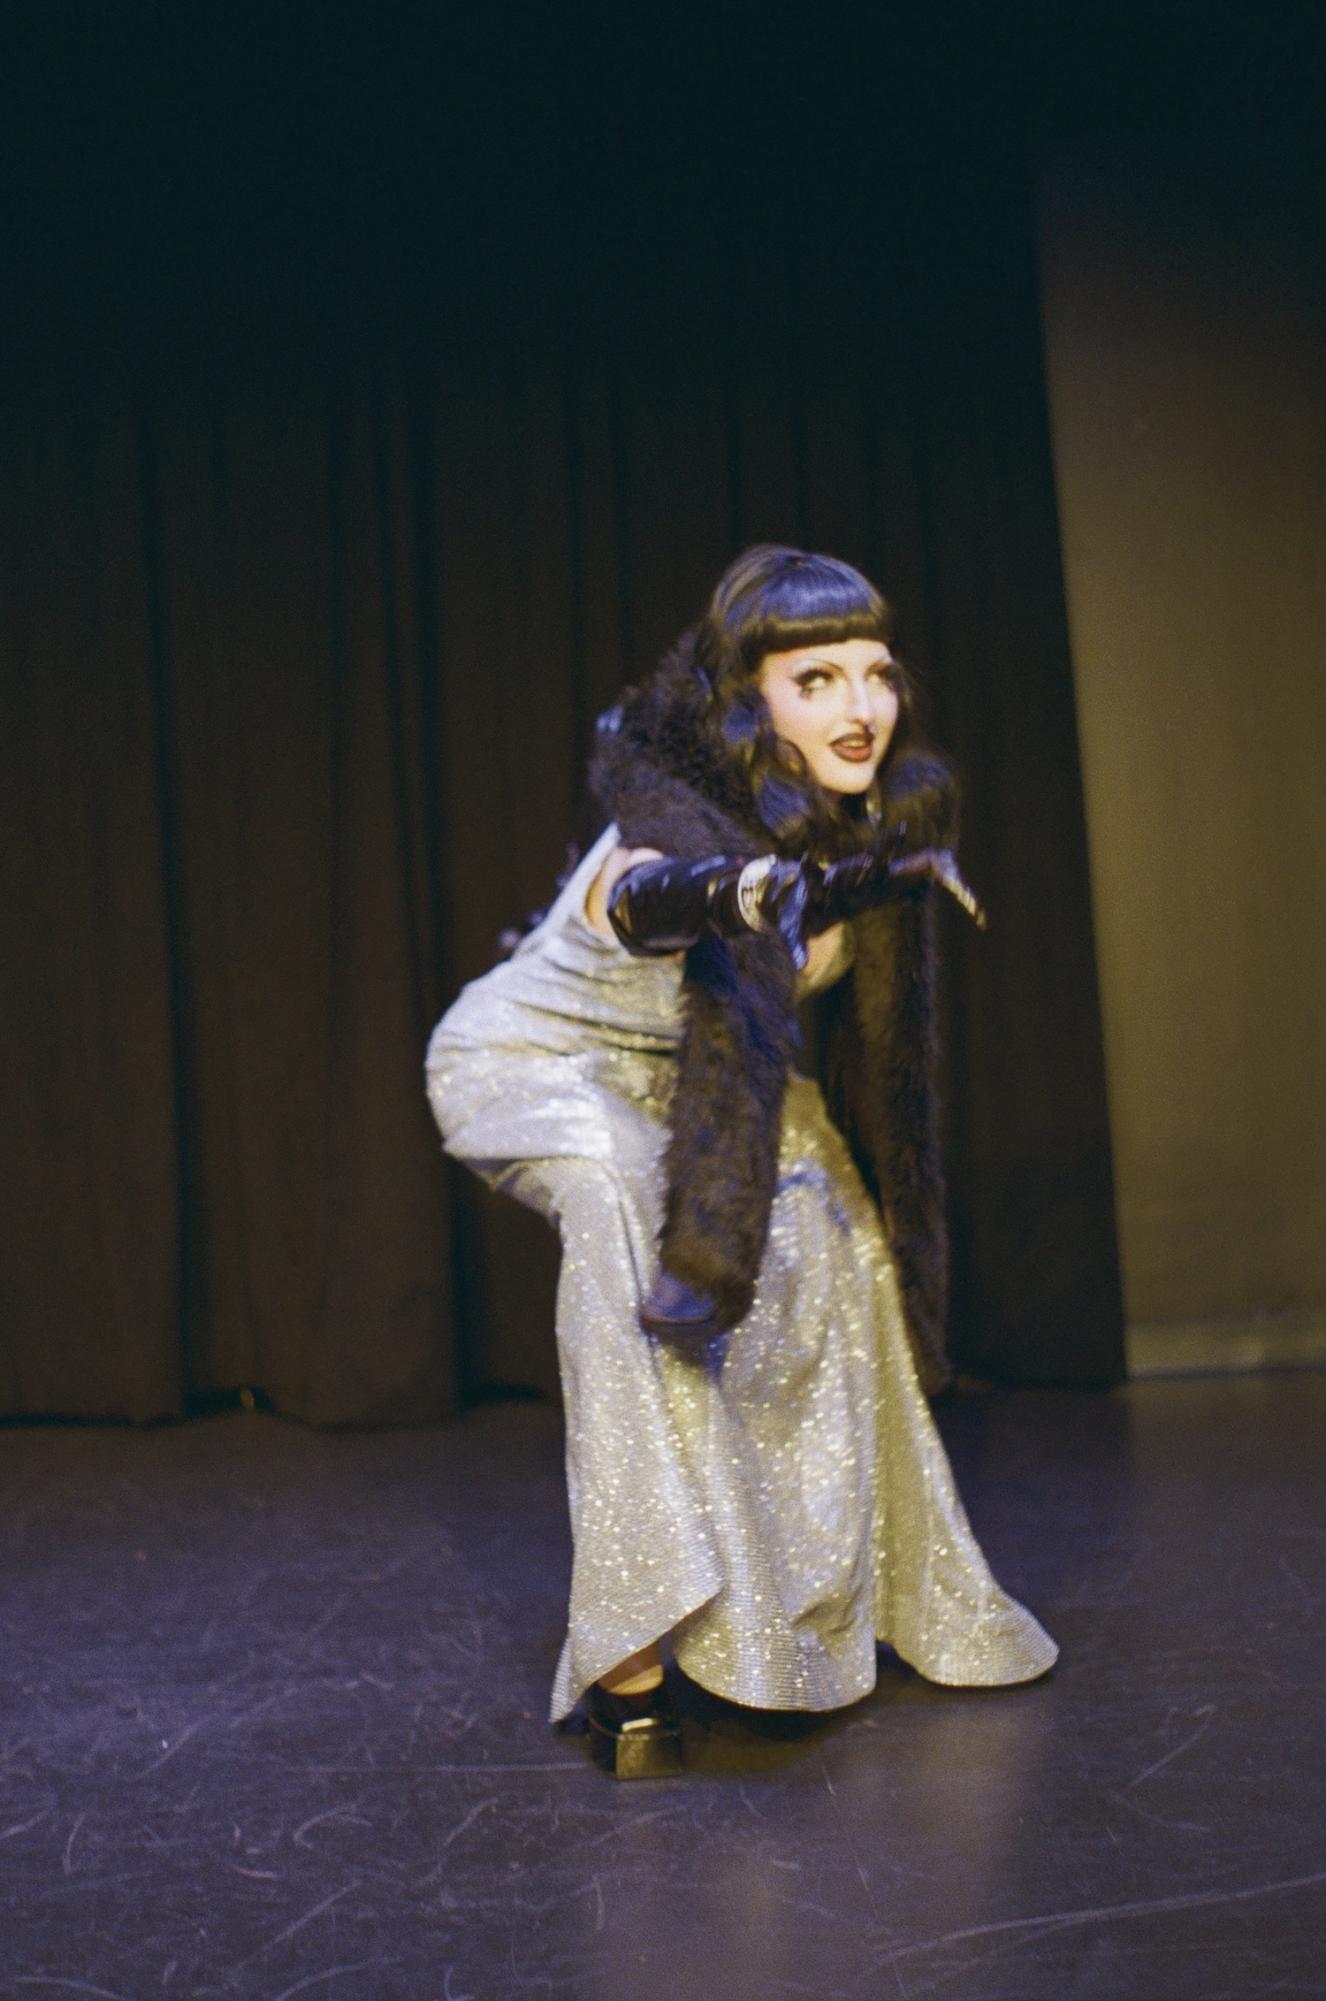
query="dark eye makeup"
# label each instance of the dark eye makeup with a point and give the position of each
(887, 670)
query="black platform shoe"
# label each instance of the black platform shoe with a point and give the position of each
(635, 1736)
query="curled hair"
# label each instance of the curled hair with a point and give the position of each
(770, 600)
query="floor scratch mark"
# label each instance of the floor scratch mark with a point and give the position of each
(331, 1973)
(484, 1806)
(1143, 1907)
(171, 1747)
(297, 1926)
(70, 1986)
(1157, 1819)
(67, 1864)
(1207, 1714)
(331, 1813)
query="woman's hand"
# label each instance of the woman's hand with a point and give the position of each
(845, 888)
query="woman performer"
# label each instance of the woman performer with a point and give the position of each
(752, 1294)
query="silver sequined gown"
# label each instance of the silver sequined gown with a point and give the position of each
(784, 1500)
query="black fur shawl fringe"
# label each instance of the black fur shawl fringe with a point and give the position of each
(655, 775)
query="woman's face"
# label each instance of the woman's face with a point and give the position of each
(837, 704)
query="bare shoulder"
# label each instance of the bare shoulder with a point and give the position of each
(616, 865)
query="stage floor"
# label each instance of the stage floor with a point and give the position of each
(272, 1722)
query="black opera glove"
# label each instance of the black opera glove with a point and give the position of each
(845, 888)
(666, 906)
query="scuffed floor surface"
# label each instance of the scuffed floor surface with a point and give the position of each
(272, 1724)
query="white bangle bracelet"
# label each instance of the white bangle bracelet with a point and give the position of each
(749, 884)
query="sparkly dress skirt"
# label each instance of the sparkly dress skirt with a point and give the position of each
(778, 1500)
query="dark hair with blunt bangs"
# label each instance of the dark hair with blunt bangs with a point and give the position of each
(769, 600)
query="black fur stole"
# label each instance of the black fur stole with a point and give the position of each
(655, 773)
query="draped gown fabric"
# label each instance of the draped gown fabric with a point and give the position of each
(777, 1498)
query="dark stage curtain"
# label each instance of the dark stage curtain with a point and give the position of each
(339, 503)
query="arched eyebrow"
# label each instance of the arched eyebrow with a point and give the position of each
(885, 659)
